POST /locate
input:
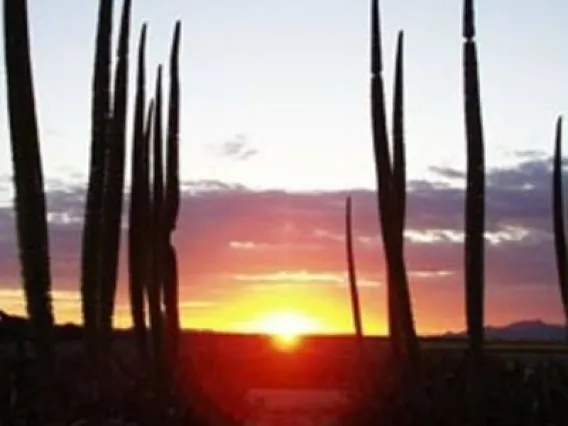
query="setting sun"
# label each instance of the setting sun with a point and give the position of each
(286, 342)
(287, 328)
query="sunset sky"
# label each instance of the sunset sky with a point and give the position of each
(276, 133)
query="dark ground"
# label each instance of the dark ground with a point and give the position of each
(523, 383)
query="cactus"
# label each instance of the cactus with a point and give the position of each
(391, 199)
(558, 221)
(139, 207)
(475, 189)
(399, 204)
(157, 260)
(148, 240)
(114, 179)
(172, 199)
(399, 154)
(382, 156)
(399, 161)
(30, 203)
(91, 261)
(354, 291)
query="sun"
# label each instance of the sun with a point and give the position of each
(287, 328)
(286, 342)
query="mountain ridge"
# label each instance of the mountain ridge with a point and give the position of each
(530, 329)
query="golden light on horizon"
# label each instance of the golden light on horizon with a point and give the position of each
(286, 342)
(246, 308)
(286, 328)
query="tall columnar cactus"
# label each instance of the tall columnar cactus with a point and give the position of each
(172, 198)
(92, 258)
(149, 237)
(114, 178)
(399, 183)
(558, 220)
(391, 199)
(354, 290)
(382, 159)
(30, 204)
(475, 189)
(399, 154)
(139, 218)
(155, 289)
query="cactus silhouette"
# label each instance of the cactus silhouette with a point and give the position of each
(392, 198)
(558, 221)
(91, 261)
(139, 218)
(172, 199)
(30, 205)
(351, 268)
(382, 160)
(155, 292)
(399, 154)
(475, 189)
(113, 190)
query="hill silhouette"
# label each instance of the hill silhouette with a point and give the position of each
(521, 330)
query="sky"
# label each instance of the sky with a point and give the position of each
(276, 132)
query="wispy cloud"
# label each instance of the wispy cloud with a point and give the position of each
(245, 245)
(292, 277)
(238, 148)
(431, 274)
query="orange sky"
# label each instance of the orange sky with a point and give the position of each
(326, 307)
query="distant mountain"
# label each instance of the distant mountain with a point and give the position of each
(522, 330)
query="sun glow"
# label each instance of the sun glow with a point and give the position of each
(287, 328)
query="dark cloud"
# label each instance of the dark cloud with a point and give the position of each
(529, 154)
(448, 172)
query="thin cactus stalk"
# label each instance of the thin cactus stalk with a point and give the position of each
(155, 290)
(139, 207)
(172, 198)
(399, 203)
(558, 222)
(30, 202)
(399, 163)
(91, 261)
(475, 190)
(399, 154)
(391, 200)
(114, 178)
(172, 195)
(148, 217)
(351, 268)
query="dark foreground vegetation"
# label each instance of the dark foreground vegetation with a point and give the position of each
(520, 385)
(127, 394)
(511, 392)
